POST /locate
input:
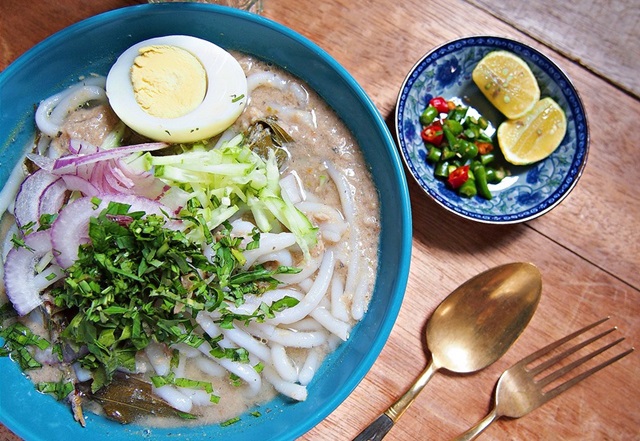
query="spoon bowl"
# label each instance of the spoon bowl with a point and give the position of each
(472, 328)
(479, 321)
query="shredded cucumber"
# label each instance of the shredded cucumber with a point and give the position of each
(231, 179)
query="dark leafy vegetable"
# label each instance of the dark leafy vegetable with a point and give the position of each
(138, 281)
(128, 398)
(265, 135)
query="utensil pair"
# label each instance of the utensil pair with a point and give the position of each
(482, 318)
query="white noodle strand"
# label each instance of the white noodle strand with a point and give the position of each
(287, 337)
(313, 297)
(283, 364)
(309, 368)
(210, 367)
(338, 307)
(292, 390)
(159, 360)
(332, 324)
(75, 100)
(359, 303)
(269, 243)
(244, 340)
(311, 266)
(243, 370)
(197, 396)
(174, 398)
(282, 258)
(12, 186)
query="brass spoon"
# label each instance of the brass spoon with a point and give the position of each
(472, 328)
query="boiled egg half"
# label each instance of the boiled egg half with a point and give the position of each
(177, 88)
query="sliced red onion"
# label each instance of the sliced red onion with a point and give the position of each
(22, 285)
(67, 164)
(147, 185)
(118, 174)
(71, 227)
(52, 198)
(77, 146)
(96, 177)
(129, 171)
(43, 162)
(117, 182)
(76, 183)
(27, 206)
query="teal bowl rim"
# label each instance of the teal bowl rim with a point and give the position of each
(18, 415)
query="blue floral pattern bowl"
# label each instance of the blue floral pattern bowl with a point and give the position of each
(528, 191)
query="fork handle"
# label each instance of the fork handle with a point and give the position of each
(479, 427)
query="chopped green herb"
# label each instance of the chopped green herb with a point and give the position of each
(27, 228)
(138, 281)
(235, 380)
(46, 220)
(17, 341)
(18, 242)
(60, 389)
(230, 422)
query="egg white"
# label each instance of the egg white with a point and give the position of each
(224, 101)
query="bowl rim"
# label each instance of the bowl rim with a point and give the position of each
(383, 329)
(527, 215)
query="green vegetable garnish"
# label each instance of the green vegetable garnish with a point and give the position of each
(60, 390)
(17, 340)
(223, 180)
(229, 422)
(138, 281)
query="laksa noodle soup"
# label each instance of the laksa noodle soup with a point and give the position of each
(189, 236)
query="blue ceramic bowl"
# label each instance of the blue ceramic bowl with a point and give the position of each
(92, 46)
(529, 191)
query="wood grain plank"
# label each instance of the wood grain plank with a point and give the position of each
(395, 39)
(602, 36)
(18, 35)
(587, 248)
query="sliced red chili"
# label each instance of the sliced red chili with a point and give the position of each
(440, 104)
(433, 133)
(458, 176)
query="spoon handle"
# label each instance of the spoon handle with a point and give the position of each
(381, 426)
(376, 430)
(476, 430)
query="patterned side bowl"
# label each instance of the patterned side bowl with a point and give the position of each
(528, 191)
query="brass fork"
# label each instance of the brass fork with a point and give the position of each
(519, 390)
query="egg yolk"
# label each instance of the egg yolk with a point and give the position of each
(168, 82)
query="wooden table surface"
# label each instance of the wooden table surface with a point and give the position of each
(587, 248)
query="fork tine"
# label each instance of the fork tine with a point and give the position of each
(560, 372)
(552, 346)
(543, 366)
(566, 385)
